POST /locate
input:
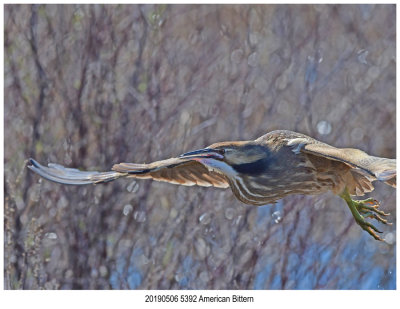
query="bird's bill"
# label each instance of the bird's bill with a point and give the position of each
(202, 153)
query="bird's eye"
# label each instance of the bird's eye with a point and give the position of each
(221, 151)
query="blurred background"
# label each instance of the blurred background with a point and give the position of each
(88, 86)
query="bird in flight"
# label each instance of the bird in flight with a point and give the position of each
(260, 172)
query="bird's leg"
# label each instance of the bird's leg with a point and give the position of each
(365, 209)
(369, 208)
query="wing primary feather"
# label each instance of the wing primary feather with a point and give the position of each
(71, 176)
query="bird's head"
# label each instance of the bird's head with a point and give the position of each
(231, 158)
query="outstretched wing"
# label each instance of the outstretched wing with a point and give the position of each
(365, 168)
(379, 168)
(175, 170)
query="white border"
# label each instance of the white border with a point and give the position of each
(135, 299)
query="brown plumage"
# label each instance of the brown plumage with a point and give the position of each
(260, 172)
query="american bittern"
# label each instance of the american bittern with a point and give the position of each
(260, 172)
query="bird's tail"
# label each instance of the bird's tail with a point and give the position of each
(72, 176)
(384, 170)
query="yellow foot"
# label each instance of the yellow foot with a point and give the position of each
(369, 208)
(363, 209)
